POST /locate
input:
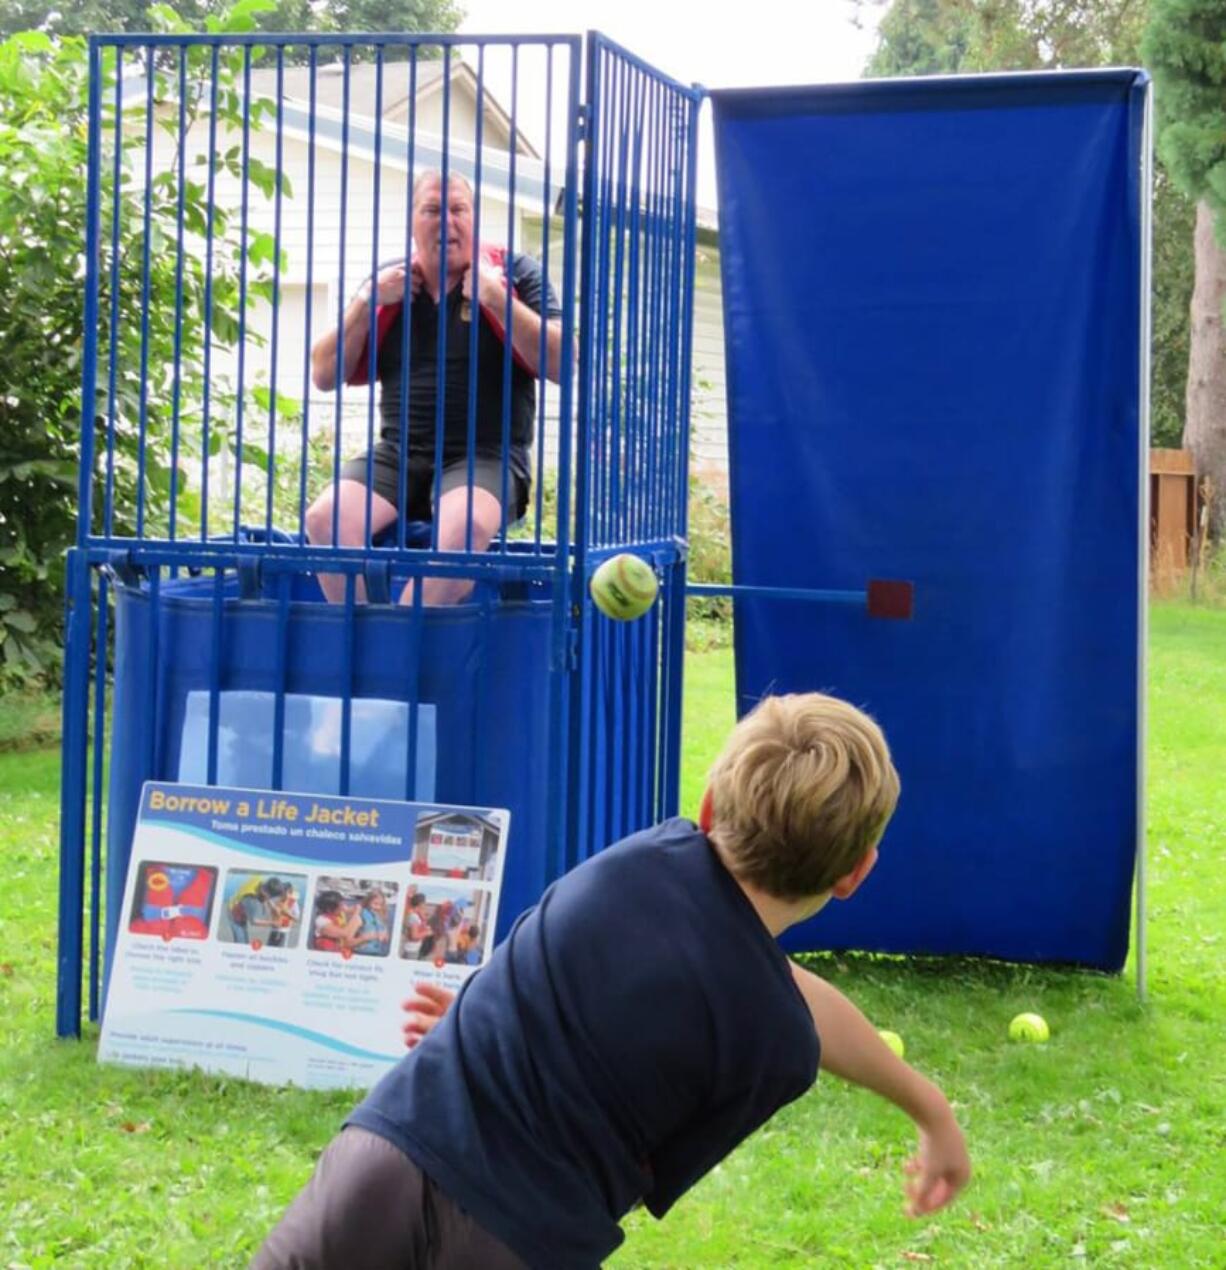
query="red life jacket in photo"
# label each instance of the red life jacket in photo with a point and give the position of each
(175, 902)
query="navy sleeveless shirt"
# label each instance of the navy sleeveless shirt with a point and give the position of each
(632, 1029)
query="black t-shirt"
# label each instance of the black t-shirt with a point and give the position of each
(492, 355)
(631, 1030)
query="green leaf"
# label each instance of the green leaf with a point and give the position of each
(20, 620)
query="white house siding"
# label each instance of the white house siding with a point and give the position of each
(708, 410)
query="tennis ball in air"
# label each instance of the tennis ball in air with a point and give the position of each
(1029, 1027)
(893, 1041)
(624, 587)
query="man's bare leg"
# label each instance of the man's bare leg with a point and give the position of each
(351, 527)
(452, 513)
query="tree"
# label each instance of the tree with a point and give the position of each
(922, 37)
(43, 149)
(1185, 44)
(437, 16)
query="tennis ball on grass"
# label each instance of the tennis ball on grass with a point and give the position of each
(893, 1041)
(1029, 1027)
(624, 587)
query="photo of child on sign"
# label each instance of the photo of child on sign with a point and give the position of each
(445, 926)
(353, 916)
(262, 909)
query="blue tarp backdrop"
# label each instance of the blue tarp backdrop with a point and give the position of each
(933, 318)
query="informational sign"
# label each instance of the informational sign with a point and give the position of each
(274, 936)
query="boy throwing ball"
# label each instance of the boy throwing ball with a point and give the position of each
(632, 1029)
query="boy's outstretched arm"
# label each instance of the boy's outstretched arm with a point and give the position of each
(852, 1049)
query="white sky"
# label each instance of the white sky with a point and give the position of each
(760, 43)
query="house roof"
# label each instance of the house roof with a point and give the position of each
(397, 81)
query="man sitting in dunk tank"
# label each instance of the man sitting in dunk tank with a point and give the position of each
(440, 274)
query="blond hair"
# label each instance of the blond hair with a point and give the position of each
(801, 792)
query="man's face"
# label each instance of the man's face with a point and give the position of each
(428, 224)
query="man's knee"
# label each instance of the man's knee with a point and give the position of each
(319, 519)
(453, 517)
(349, 498)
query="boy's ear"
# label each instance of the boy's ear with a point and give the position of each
(706, 815)
(849, 883)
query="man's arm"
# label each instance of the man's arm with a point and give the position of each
(355, 325)
(525, 322)
(852, 1050)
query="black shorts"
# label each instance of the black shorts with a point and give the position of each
(419, 493)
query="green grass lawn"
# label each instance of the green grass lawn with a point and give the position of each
(1105, 1147)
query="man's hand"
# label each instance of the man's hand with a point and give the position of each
(491, 286)
(388, 286)
(424, 1008)
(939, 1169)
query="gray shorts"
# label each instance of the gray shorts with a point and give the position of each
(419, 494)
(369, 1207)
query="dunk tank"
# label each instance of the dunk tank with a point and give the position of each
(262, 181)
(935, 301)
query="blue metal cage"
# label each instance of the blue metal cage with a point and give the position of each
(259, 179)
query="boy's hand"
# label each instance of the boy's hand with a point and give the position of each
(939, 1169)
(424, 1008)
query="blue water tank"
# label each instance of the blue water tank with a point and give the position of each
(479, 670)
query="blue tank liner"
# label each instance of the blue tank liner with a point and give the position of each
(933, 322)
(482, 678)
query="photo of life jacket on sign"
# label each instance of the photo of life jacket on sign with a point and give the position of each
(173, 901)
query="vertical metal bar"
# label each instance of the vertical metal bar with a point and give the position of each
(508, 317)
(406, 326)
(276, 299)
(444, 303)
(372, 337)
(639, 381)
(281, 671)
(542, 429)
(347, 681)
(216, 646)
(470, 440)
(659, 434)
(654, 431)
(613, 489)
(341, 370)
(635, 299)
(567, 659)
(208, 297)
(244, 201)
(312, 68)
(413, 688)
(663, 378)
(670, 404)
(108, 504)
(150, 725)
(99, 798)
(671, 767)
(604, 209)
(177, 385)
(1146, 334)
(77, 631)
(93, 247)
(144, 295)
(590, 324)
